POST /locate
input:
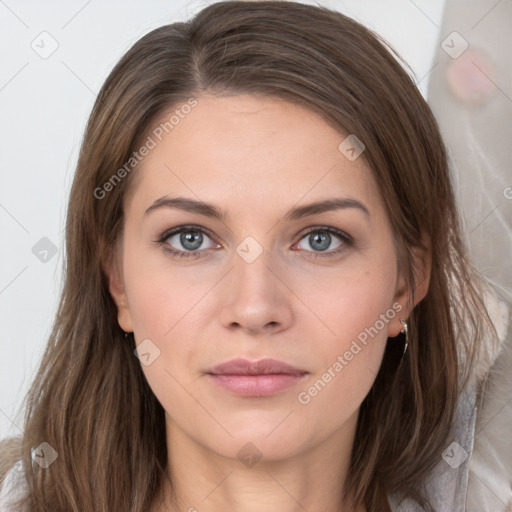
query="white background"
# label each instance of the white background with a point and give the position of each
(44, 104)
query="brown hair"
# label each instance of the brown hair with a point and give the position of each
(90, 400)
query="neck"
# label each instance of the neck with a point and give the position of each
(206, 481)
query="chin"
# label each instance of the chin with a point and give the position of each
(267, 438)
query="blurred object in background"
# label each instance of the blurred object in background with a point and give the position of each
(470, 93)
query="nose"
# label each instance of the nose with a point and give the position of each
(257, 299)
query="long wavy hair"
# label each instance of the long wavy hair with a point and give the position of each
(90, 400)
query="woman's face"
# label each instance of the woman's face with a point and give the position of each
(266, 276)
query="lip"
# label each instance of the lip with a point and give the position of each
(264, 377)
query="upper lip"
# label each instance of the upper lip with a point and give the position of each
(260, 367)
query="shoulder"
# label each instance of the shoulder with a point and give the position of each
(490, 467)
(13, 489)
(13, 486)
(473, 473)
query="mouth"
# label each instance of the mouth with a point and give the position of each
(265, 377)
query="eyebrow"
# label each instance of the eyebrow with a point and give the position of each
(210, 210)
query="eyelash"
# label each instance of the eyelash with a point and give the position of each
(346, 239)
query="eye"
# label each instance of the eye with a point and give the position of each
(192, 242)
(186, 241)
(320, 239)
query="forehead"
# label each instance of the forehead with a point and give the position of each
(262, 150)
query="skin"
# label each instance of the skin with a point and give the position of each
(256, 158)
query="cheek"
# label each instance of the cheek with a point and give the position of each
(352, 301)
(360, 306)
(159, 295)
(162, 310)
(356, 307)
(165, 311)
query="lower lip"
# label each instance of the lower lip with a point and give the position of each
(256, 385)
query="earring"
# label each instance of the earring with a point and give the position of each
(404, 331)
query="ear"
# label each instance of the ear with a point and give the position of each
(113, 269)
(422, 267)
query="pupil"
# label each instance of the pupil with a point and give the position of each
(324, 239)
(191, 240)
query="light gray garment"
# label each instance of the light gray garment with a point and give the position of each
(474, 473)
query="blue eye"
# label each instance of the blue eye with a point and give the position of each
(320, 239)
(192, 240)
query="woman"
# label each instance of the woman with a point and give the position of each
(267, 301)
